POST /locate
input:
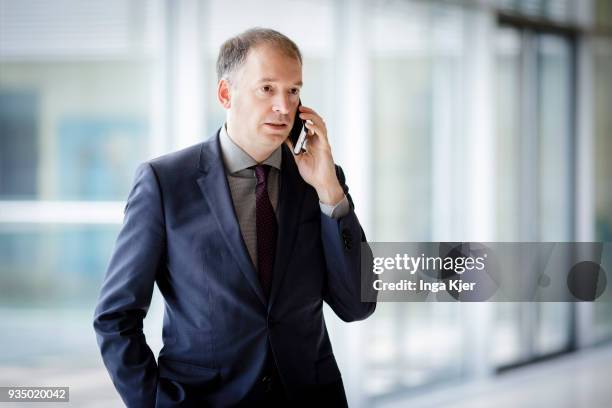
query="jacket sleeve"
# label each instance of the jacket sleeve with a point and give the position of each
(126, 293)
(346, 253)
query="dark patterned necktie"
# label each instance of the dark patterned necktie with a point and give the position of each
(266, 229)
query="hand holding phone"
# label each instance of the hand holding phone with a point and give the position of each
(317, 167)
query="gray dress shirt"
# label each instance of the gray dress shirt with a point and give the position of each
(242, 182)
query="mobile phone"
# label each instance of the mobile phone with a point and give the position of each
(298, 132)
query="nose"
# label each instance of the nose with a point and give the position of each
(282, 105)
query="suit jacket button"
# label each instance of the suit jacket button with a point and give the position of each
(346, 238)
(267, 383)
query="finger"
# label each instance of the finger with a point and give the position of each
(306, 109)
(308, 113)
(318, 121)
(318, 136)
(320, 132)
(311, 116)
(308, 126)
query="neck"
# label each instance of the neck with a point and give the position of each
(258, 153)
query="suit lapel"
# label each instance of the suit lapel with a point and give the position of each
(290, 204)
(215, 188)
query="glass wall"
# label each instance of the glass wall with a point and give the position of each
(602, 66)
(64, 137)
(75, 121)
(563, 11)
(603, 139)
(416, 62)
(535, 133)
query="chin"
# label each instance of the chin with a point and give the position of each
(275, 138)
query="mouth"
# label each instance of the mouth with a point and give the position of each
(276, 125)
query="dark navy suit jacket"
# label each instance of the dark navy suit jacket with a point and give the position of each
(180, 231)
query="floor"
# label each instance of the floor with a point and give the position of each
(578, 380)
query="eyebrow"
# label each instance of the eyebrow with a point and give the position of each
(299, 83)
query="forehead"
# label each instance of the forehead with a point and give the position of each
(268, 62)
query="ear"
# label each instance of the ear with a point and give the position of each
(224, 94)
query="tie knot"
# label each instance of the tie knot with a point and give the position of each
(261, 171)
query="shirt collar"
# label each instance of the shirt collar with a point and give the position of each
(236, 159)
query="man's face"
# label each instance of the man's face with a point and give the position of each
(264, 97)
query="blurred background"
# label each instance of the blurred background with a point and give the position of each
(453, 120)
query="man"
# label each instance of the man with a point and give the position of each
(245, 241)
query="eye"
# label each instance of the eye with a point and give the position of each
(266, 88)
(295, 91)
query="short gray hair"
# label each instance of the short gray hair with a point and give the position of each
(233, 52)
